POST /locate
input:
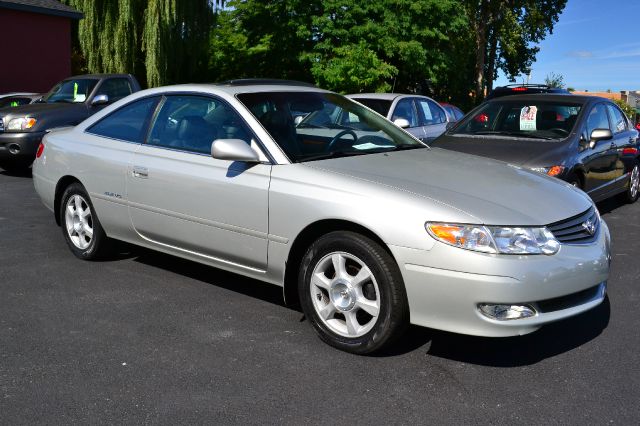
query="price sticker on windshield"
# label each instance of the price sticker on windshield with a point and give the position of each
(528, 117)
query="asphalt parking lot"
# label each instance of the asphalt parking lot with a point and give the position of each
(148, 338)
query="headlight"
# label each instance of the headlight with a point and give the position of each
(495, 239)
(22, 123)
(551, 171)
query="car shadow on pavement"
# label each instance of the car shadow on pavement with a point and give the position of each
(551, 340)
(208, 274)
(26, 173)
(610, 204)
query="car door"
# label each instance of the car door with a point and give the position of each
(184, 200)
(600, 161)
(433, 118)
(405, 108)
(624, 138)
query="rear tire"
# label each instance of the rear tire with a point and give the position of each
(80, 225)
(352, 292)
(634, 183)
(574, 179)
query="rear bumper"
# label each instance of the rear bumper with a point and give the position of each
(19, 146)
(446, 286)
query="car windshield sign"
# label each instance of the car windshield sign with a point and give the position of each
(316, 125)
(531, 119)
(72, 91)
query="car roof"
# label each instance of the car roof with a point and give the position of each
(554, 97)
(232, 89)
(97, 76)
(384, 96)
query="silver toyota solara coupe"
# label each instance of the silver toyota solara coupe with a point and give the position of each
(364, 225)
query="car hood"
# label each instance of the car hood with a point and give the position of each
(486, 191)
(522, 152)
(48, 115)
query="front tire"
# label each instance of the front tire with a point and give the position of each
(634, 183)
(352, 292)
(80, 225)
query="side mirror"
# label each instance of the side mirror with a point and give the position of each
(599, 135)
(401, 122)
(233, 150)
(100, 100)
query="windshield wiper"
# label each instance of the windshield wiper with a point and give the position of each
(336, 154)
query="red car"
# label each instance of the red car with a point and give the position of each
(453, 112)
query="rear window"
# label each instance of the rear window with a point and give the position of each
(381, 106)
(534, 119)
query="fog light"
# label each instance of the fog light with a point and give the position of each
(506, 312)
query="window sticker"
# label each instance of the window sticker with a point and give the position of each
(528, 118)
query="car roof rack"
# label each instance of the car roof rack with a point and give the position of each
(265, 81)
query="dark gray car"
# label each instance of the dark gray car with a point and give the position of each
(584, 140)
(67, 104)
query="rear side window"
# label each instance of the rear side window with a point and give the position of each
(128, 123)
(619, 124)
(597, 119)
(115, 88)
(431, 113)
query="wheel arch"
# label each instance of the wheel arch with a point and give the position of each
(303, 241)
(62, 184)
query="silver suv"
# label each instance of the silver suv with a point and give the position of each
(364, 225)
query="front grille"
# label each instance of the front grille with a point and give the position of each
(1, 125)
(579, 229)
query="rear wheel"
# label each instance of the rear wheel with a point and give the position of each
(575, 180)
(80, 225)
(352, 292)
(634, 183)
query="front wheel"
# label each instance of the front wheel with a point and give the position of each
(352, 292)
(80, 225)
(634, 183)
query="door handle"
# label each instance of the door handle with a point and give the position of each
(140, 172)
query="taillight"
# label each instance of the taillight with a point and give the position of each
(40, 150)
(629, 151)
(481, 118)
(519, 89)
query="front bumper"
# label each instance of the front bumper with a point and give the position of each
(446, 285)
(19, 146)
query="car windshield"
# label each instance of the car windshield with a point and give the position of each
(533, 119)
(72, 91)
(316, 125)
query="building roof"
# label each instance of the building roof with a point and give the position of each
(46, 7)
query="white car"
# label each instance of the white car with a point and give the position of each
(421, 116)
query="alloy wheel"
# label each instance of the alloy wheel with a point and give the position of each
(345, 294)
(634, 182)
(78, 221)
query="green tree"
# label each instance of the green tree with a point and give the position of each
(159, 41)
(554, 80)
(504, 36)
(254, 38)
(626, 108)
